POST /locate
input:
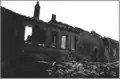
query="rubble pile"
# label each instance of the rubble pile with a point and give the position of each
(85, 69)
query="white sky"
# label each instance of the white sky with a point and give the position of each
(100, 16)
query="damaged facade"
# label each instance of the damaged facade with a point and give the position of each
(48, 41)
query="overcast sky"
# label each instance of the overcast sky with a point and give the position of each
(100, 16)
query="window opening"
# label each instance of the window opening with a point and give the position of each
(39, 36)
(64, 42)
(54, 39)
(28, 33)
(75, 42)
(72, 44)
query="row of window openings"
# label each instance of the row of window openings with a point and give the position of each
(41, 39)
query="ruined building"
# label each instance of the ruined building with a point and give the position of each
(48, 40)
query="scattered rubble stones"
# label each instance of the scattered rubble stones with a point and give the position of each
(84, 70)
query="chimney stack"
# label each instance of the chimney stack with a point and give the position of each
(37, 10)
(53, 17)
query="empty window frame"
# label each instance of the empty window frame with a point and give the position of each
(114, 50)
(54, 36)
(64, 40)
(75, 42)
(72, 44)
(42, 36)
(39, 35)
(106, 51)
(28, 33)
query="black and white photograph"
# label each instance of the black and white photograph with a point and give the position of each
(60, 39)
